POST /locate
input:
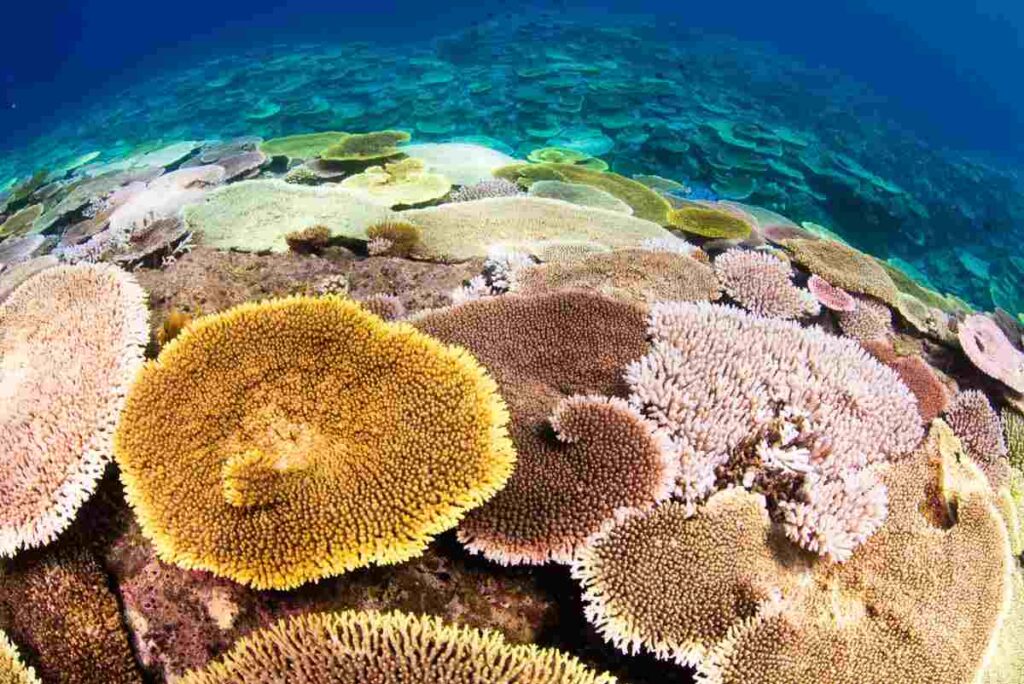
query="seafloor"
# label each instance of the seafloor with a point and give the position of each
(616, 347)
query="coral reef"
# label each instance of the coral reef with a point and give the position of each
(869, 320)
(71, 340)
(578, 193)
(389, 648)
(486, 189)
(830, 296)
(931, 394)
(303, 146)
(362, 147)
(844, 267)
(979, 429)
(265, 442)
(12, 670)
(311, 240)
(712, 221)
(395, 238)
(405, 182)
(988, 349)
(462, 163)
(761, 283)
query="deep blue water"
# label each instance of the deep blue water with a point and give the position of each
(900, 125)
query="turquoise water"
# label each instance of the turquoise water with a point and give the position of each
(727, 118)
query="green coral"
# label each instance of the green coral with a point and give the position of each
(646, 203)
(711, 222)
(366, 146)
(844, 267)
(404, 182)
(564, 155)
(21, 222)
(303, 146)
(1013, 426)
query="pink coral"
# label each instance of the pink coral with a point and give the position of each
(71, 340)
(981, 432)
(870, 320)
(989, 350)
(713, 371)
(762, 284)
(830, 296)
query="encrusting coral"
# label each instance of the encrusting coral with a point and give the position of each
(12, 669)
(979, 429)
(869, 320)
(762, 284)
(387, 648)
(636, 275)
(57, 606)
(921, 601)
(717, 377)
(309, 437)
(844, 267)
(988, 349)
(71, 340)
(541, 351)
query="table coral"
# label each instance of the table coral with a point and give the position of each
(747, 611)
(405, 182)
(462, 163)
(362, 147)
(541, 350)
(294, 487)
(988, 349)
(463, 230)
(830, 296)
(71, 340)
(635, 275)
(712, 221)
(302, 146)
(388, 648)
(844, 267)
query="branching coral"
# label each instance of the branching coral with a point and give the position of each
(844, 267)
(12, 670)
(463, 230)
(712, 221)
(1013, 429)
(988, 349)
(635, 275)
(715, 371)
(71, 340)
(486, 189)
(361, 147)
(762, 284)
(388, 648)
(921, 601)
(395, 238)
(830, 296)
(980, 431)
(869, 320)
(311, 240)
(541, 350)
(58, 606)
(309, 438)
(404, 182)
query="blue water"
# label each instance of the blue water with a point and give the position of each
(902, 124)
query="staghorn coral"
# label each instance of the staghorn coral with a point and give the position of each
(988, 349)
(388, 648)
(712, 221)
(980, 431)
(844, 267)
(12, 669)
(403, 238)
(541, 350)
(361, 147)
(71, 340)
(762, 284)
(633, 275)
(931, 394)
(405, 182)
(486, 189)
(302, 146)
(256, 215)
(58, 607)
(830, 296)
(920, 601)
(294, 487)
(311, 240)
(869, 320)
(463, 230)
(713, 371)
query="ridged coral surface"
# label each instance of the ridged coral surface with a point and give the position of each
(308, 437)
(388, 648)
(541, 350)
(844, 267)
(71, 341)
(919, 602)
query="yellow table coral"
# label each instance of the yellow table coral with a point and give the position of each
(290, 440)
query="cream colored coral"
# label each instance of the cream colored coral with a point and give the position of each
(71, 341)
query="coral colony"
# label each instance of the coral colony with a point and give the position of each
(401, 406)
